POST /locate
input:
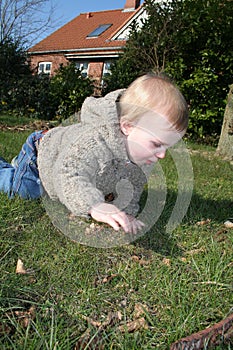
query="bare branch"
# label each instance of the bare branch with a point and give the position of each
(23, 20)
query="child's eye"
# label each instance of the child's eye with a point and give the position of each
(157, 145)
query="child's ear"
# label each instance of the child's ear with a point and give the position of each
(126, 127)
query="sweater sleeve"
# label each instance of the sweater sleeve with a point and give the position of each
(137, 181)
(75, 174)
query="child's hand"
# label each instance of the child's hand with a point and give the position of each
(112, 216)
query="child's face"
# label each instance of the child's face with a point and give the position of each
(148, 139)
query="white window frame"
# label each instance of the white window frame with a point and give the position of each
(44, 70)
(83, 66)
(107, 68)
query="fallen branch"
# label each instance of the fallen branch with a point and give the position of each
(221, 332)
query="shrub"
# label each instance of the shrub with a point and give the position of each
(191, 41)
(68, 90)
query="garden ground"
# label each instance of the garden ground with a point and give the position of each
(144, 295)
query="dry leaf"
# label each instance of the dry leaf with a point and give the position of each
(24, 317)
(135, 258)
(144, 262)
(183, 259)
(109, 278)
(228, 224)
(166, 261)
(139, 260)
(195, 251)
(72, 216)
(133, 326)
(139, 310)
(5, 329)
(91, 321)
(220, 232)
(112, 318)
(105, 279)
(203, 222)
(87, 341)
(20, 267)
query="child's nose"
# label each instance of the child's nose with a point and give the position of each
(161, 154)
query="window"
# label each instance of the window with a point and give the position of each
(83, 67)
(107, 68)
(99, 30)
(45, 67)
(106, 71)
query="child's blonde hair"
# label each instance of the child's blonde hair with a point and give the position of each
(156, 93)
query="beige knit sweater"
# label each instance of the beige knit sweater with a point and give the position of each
(83, 164)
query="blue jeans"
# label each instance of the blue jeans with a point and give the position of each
(23, 178)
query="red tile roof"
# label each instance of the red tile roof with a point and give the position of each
(73, 35)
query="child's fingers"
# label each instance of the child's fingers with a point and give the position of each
(122, 220)
(128, 223)
(113, 223)
(112, 216)
(136, 225)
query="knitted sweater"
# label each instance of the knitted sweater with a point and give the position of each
(84, 164)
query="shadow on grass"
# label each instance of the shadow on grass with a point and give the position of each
(157, 238)
(163, 242)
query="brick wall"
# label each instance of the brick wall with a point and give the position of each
(56, 60)
(95, 70)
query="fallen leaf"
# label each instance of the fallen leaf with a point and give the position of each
(5, 329)
(141, 261)
(24, 317)
(90, 342)
(135, 258)
(228, 224)
(166, 261)
(112, 318)
(139, 310)
(220, 232)
(109, 278)
(144, 262)
(91, 321)
(195, 251)
(203, 222)
(183, 259)
(133, 326)
(105, 279)
(123, 303)
(20, 267)
(72, 216)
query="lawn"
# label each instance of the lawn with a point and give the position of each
(143, 295)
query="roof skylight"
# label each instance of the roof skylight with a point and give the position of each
(99, 30)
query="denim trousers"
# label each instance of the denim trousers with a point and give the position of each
(23, 178)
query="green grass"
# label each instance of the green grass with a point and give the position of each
(183, 280)
(12, 120)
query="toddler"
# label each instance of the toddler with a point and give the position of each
(99, 167)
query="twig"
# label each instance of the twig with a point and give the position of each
(214, 283)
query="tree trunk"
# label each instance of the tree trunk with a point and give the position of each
(225, 145)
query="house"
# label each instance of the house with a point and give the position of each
(92, 40)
